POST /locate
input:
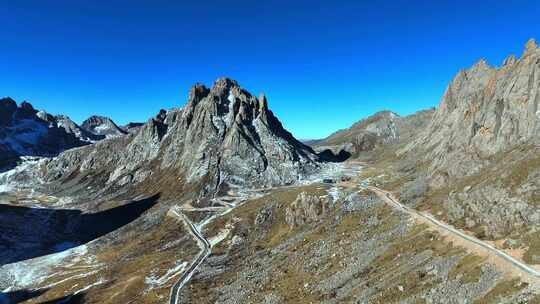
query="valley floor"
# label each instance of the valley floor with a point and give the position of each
(342, 242)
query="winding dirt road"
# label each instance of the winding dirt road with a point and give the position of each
(429, 219)
(205, 252)
(228, 203)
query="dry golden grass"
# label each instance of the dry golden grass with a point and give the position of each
(502, 289)
(128, 263)
(469, 268)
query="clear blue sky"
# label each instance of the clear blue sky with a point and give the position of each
(322, 64)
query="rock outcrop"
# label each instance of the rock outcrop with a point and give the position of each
(305, 209)
(223, 136)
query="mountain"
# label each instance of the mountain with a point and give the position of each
(484, 111)
(25, 131)
(476, 163)
(380, 129)
(102, 126)
(71, 127)
(223, 137)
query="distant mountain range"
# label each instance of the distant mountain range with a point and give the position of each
(25, 131)
(380, 129)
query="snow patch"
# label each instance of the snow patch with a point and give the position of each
(154, 281)
(102, 127)
(335, 193)
(218, 238)
(99, 282)
(6, 183)
(29, 273)
(231, 97)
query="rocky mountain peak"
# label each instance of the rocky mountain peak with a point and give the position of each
(484, 111)
(95, 120)
(222, 136)
(8, 103)
(7, 107)
(224, 84)
(27, 106)
(380, 129)
(481, 64)
(25, 111)
(227, 104)
(102, 126)
(510, 60)
(263, 103)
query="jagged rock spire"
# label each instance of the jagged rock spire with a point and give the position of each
(263, 103)
(511, 59)
(530, 47)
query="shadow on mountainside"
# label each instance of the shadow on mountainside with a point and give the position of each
(71, 299)
(19, 296)
(27, 233)
(329, 156)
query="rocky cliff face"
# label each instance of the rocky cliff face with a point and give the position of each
(477, 162)
(223, 136)
(25, 131)
(485, 110)
(102, 126)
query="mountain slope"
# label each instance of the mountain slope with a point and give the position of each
(380, 129)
